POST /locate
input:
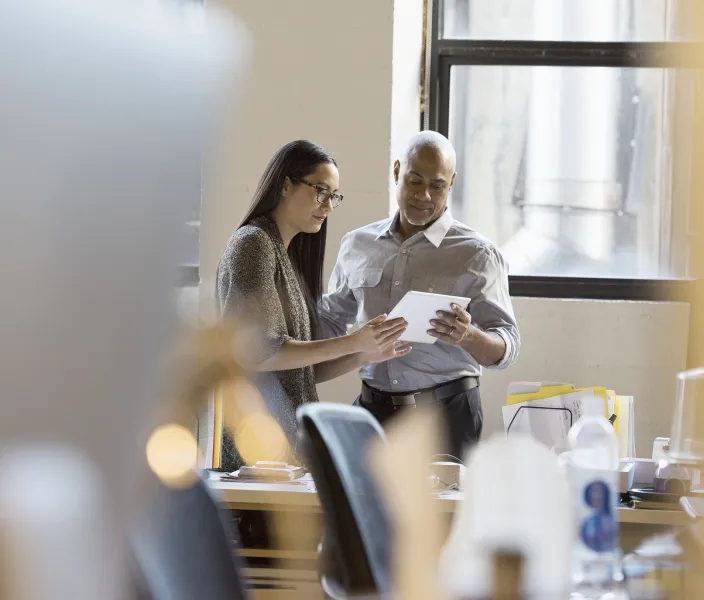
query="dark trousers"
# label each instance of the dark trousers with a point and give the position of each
(463, 419)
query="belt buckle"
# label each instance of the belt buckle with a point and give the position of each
(405, 401)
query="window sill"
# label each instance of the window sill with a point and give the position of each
(588, 288)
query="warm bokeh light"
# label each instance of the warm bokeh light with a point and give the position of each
(172, 454)
(259, 437)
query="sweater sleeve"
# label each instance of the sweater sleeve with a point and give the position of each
(246, 286)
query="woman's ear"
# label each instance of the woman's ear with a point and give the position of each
(286, 188)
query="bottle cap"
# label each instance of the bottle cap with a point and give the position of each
(593, 406)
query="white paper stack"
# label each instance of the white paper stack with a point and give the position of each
(625, 426)
(269, 471)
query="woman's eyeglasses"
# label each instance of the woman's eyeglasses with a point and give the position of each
(323, 194)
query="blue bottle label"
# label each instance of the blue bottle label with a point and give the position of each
(599, 524)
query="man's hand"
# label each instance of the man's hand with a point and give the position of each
(394, 350)
(452, 328)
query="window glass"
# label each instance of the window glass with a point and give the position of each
(569, 170)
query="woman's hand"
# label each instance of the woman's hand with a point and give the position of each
(376, 335)
(394, 350)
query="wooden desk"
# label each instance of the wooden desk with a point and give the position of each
(303, 498)
(288, 570)
(299, 497)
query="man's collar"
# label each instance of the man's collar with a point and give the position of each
(435, 234)
(389, 226)
(437, 231)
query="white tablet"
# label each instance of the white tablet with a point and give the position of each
(418, 308)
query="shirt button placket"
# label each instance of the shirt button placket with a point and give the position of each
(397, 292)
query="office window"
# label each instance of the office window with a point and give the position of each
(560, 20)
(570, 119)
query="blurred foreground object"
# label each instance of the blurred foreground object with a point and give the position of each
(412, 442)
(203, 356)
(516, 502)
(508, 576)
(693, 127)
(53, 516)
(182, 544)
(172, 454)
(687, 439)
(104, 111)
(681, 458)
(209, 357)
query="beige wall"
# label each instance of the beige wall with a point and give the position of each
(323, 70)
(635, 348)
(406, 73)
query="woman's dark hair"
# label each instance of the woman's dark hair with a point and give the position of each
(296, 160)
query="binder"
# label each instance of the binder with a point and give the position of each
(547, 410)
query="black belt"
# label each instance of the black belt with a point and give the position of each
(434, 394)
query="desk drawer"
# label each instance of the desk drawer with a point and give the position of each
(277, 530)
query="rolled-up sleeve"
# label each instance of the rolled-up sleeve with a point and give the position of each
(246, 285)
(338, 308)
(491, 307)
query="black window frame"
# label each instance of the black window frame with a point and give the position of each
(442, 54)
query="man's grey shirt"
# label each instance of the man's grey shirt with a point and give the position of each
(375, 269)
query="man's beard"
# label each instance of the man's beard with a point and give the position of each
(421, 222)
(417, 223)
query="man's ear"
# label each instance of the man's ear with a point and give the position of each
(397, 170)
(452, 181)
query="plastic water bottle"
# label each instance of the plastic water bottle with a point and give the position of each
(593, 476)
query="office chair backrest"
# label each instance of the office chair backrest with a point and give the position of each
(333, 440)
(183, 547)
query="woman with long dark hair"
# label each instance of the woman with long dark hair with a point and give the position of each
(272, 269)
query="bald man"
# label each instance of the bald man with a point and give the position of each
(423, 248)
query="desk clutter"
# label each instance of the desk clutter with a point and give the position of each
(547, 411)
(269, 472)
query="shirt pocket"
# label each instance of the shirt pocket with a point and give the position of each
(365, 278)
(433, 284)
